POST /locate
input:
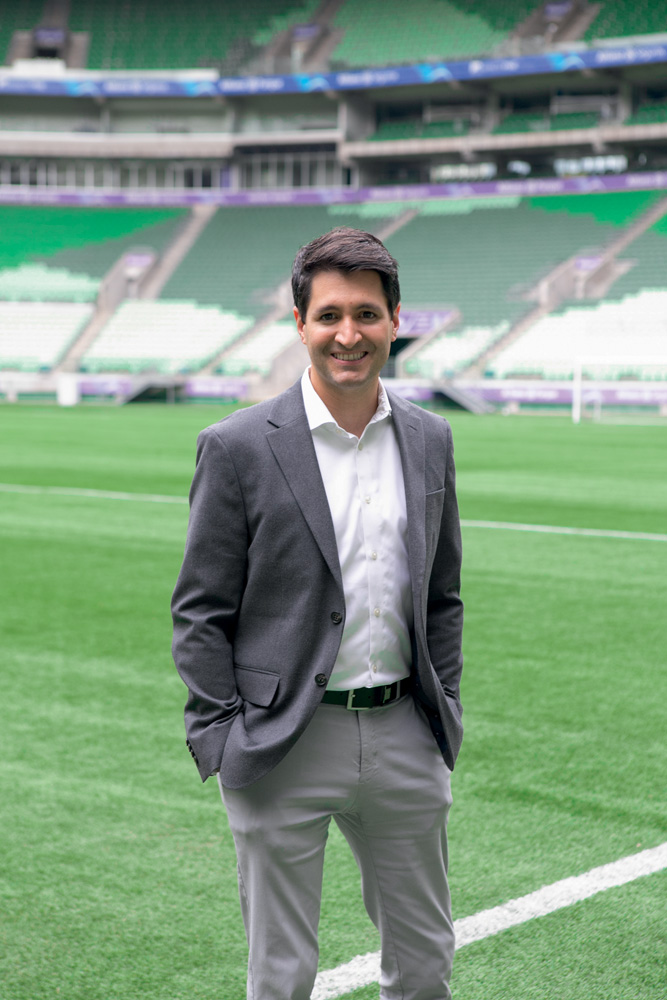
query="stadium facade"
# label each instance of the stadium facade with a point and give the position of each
(156, 180)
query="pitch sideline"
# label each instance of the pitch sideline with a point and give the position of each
(365, 969)
(548, 529)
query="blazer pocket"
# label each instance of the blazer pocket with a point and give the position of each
(435, 493)
(255, 685)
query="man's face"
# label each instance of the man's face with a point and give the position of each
(347, 329)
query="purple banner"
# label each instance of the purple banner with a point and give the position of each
(611, 394)
(224, 387)
(16, 195)
(419, 322)
(587, 263)
(106, 385)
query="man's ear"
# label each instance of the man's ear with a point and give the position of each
(299, 325)
(395, 321)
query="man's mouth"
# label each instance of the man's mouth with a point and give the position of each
(357, 356)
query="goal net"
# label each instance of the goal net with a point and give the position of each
(622, 386)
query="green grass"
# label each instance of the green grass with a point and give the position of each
(117, 873)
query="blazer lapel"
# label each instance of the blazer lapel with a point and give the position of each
(410, 437)
(291, 442)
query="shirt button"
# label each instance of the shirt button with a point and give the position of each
(375, 668)
(336, 617)
(376, 612)
(367, 499)
(374, 555)
(361, 447)
(320, 680)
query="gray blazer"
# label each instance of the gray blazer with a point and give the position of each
(259, 607)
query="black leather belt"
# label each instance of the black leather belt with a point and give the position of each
(359, 699)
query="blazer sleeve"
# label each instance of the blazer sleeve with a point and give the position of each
(206, 601)
(444, 609)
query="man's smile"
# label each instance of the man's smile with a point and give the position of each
(357, 356)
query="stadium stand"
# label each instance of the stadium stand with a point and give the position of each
(160, 34)
(162, 337)
(244, 254)
(38, 283)
(537, 121)
(417, 129)
(648, 114)
(85, 241)
(487, 259)
(257, 352)
(635, 326)
(295, 14)
(378, 35)
(619, 18)
(35, 335)
(17, 17)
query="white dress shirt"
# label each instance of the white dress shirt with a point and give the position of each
(363, 480)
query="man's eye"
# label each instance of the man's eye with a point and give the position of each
(327, 317)
(368, 314)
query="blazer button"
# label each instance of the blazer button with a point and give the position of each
(336, 617)
(320, 680)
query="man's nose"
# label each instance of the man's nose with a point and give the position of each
(347, 333)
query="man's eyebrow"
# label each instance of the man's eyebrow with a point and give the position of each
(359, 305)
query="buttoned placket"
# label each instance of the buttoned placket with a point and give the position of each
(368, 480)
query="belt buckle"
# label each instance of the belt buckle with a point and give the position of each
(354, 708)
(387, 693)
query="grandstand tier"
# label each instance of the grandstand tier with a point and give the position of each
(148, 34)
(635, 327)
(163, 337)
(84, 240)
(245, 254)
(35, 335)
(426, 30)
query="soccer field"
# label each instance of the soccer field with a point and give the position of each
(118, 877)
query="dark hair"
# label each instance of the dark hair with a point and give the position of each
(344, 249)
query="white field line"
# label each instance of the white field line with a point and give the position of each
(75, 491)
(552, 529)
(365, 969)
(548, 529)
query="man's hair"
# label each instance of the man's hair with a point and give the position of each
(347, 250)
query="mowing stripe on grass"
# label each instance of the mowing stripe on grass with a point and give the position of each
(365, 969)
(548, 529)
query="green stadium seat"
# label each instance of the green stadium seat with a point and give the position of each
(37, 283)
(485, 259)
(22, 16)
(418, 129)
(621, 18)
(244, 253)
(635, 326)
(651, 113)
(86, 241)
(258, 352)
(378, 33)
(35, 335)
(166, 34)
(164, 337)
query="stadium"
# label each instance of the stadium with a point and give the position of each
(160, 165)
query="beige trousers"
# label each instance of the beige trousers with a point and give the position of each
(380, 776)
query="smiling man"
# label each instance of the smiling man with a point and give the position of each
(317, 626)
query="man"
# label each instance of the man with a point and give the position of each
(317, 626)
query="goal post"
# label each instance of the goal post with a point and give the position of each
(626, 382)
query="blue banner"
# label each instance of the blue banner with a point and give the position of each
(95, 84)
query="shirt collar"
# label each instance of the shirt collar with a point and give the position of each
(317, 412)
